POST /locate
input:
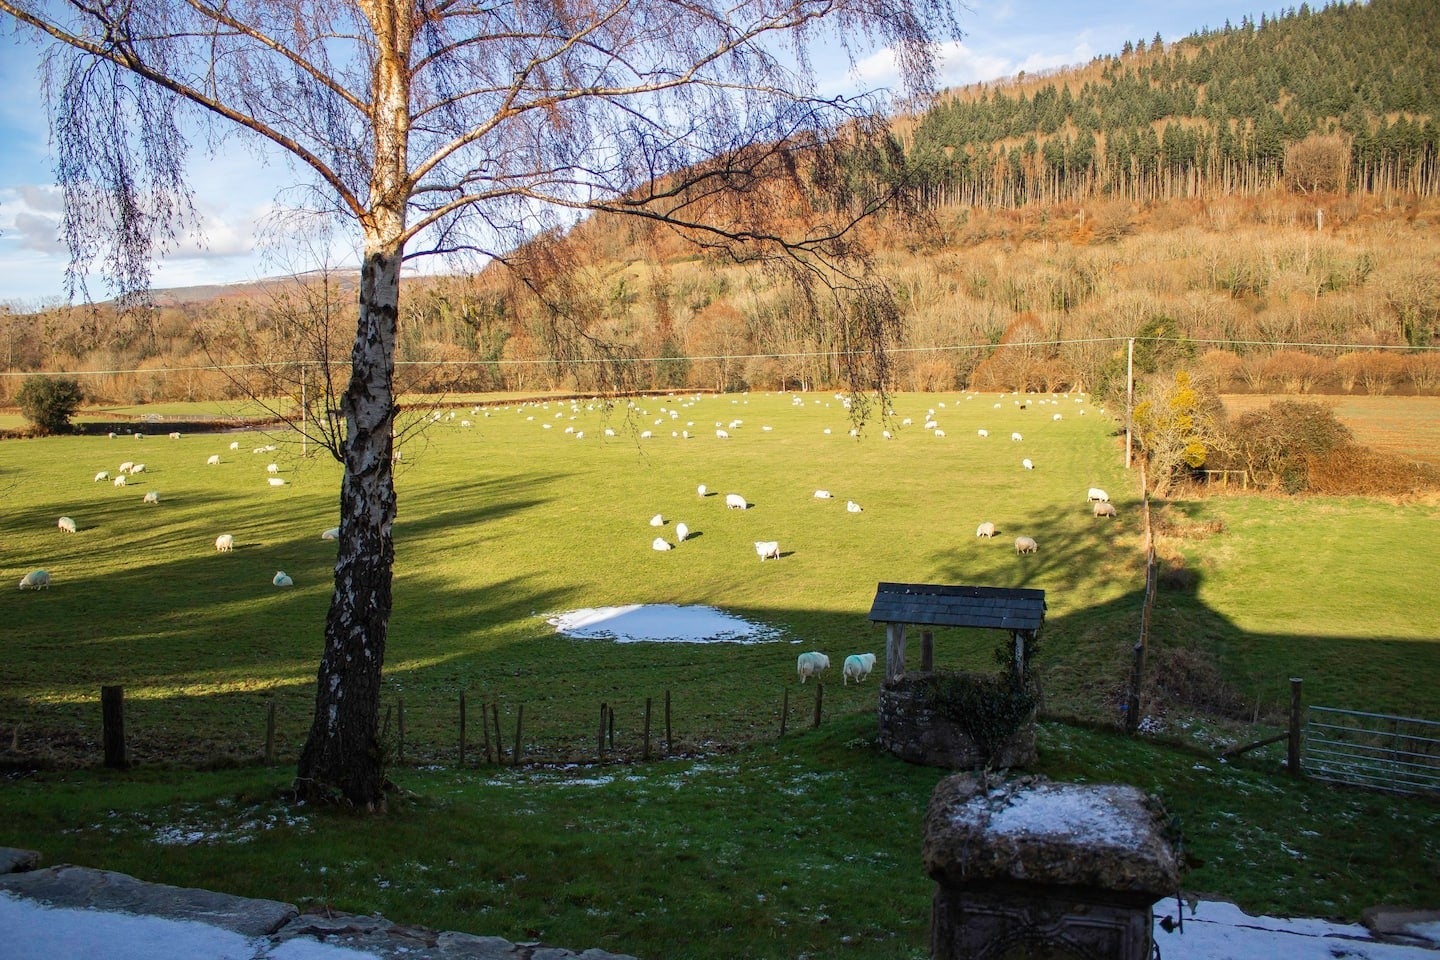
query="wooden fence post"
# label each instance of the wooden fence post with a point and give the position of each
(600, 745)
(485, 727)
(669, 748)
(612, 728)
(1292, 754)
(645, 753)
(400, 726)
(270, 734)
(499, 744)
(462, 729)
(819, 700)
(519, 719)
(784, 710)
(112, 727)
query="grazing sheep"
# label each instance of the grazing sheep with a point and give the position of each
(1016, 436)
(282, 579)
(852, 507)
(213, 460)
(138, 468)
(645, 435)
(1028, 464)
(858, 666)
(931, 424)
(768, 549)
(234, 444)
(1057, 417)
(701, 491)
(609, 432)
(332, 534)
(1026, 545)
(1097, 494)
(119, 481)
(823, 495)
(277, 481)
(102, 475)
(35, 580)
(174, 436)
(657, 521)
(721, 435)
(986, 530)
(939, 432)
(152, 496)
(660, 543)
(125, 467)
(67, 524)
(111, 434)
(733, 501)
(225, 543)
(1105, 510)
(811, 665)
(983, 432)
(272, 468)
(681, 532)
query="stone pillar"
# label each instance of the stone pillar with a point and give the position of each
(1052, 871)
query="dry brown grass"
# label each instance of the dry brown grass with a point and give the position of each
(1406, 427)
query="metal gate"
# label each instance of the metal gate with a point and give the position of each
(1375, 750)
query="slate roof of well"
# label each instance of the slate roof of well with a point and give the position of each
(931, 604)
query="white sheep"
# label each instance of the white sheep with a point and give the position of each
(858, 666)
(277, 481)
(213, 460)
(722, 435)
(125, 467)
(733, 501)
(1097, 494)
(657, 521)
(119, 481)
(152, 496)
(234, 444)
(1026, 545)
(1105, 509)
(272, 468)
(681, 532)
(137, 468)
(1057, 417)
(701, 491)
(35, 580)
(174, 436)
(332, 534)
(811, 665)
(102, 475)
(1016, 437)
(1028, 464)
(660, 543)
(645, 435)
(983, 432)
(939, 432)
(225, 543)
(852, 507)
(768, 549)
(823, 495)
(282, 579)
(67, 524)
(986, 530)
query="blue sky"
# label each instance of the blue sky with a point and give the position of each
(234, 192)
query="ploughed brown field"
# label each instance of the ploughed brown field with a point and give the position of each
(1405, 426)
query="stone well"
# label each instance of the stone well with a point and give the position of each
(1034, 870)
(915, 731)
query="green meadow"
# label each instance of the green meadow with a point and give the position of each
(512, 519)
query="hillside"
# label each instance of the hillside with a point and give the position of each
(1263, 196)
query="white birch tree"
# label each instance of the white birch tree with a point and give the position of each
(438, 126)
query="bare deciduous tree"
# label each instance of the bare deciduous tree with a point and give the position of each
(448, 126)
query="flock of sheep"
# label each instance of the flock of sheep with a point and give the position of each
(857, 666)
(128, 470)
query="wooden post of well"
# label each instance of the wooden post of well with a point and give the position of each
(270, 734)
(112, 727)
(927, 652)
(1292, 753)
(894, 651)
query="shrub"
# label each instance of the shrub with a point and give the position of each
(49, 402)
(1283, 438)
(989, 708)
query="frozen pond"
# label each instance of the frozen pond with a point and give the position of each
(660, 622)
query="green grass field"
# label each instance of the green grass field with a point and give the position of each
(504, 522)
